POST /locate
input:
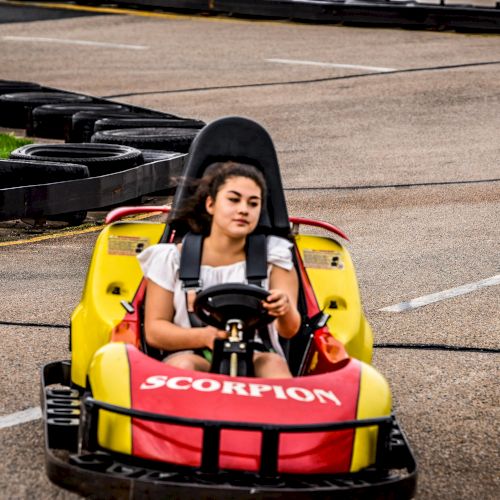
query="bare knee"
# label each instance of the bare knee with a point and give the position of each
(188, 362)
(271, 365)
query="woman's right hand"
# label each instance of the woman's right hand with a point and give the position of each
(210, 333)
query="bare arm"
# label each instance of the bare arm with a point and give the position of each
(282, 301)
(162, 333)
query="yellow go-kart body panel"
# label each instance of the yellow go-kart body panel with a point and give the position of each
(333, 279)
(114, 276)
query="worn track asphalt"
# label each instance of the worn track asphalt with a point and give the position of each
(346, 139)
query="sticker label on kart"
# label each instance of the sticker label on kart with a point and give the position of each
(302, 394)
(322, 259)
(126, 245)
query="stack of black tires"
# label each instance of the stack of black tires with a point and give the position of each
(101, 138)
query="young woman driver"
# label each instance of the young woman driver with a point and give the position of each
(226, 208)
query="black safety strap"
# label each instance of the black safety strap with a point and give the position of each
(256, 255)
(256, 270)
(192, 247)
(190, 265)
(189, 271)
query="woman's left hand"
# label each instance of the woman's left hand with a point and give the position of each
(277, 303)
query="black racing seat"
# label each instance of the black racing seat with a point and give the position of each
(242, 140)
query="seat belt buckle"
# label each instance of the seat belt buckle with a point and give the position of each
(192, 285)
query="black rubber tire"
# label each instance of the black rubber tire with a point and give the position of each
(11, 86)
(82, 123)
(72, 218)
(52, 120)
(172, 139)
(101, 159)
(132, 122)
(15, 173)
(150, 155)
(15, 109)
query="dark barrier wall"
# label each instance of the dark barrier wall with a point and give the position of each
(348, 12)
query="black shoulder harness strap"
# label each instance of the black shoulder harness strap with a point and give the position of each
(256, 256)
(189, 271)
(192, 248)
(190, 264)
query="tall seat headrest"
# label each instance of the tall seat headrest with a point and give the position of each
(242, 140)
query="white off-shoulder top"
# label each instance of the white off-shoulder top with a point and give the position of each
(160, 263)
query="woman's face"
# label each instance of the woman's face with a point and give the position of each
(236, 208)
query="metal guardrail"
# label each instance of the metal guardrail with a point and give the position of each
(409, 13)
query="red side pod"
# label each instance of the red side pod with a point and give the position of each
(129, 329)
(160, 388)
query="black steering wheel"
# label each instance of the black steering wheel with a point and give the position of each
(218, 304)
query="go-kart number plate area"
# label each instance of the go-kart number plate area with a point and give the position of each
(127, 245)
(322, 259)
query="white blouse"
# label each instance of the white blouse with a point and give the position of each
(160, 263)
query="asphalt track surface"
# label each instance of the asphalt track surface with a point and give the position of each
(405, 161)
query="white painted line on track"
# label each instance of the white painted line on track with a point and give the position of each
(74, 42)
(20, 417)
(329, 65)
(446, 294)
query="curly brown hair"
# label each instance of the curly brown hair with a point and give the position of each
(193, 213)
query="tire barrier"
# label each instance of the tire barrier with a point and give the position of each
(62, 181)
(405, 13)
(15, 173)
(10, 86)
(150, 155)
(174, 139)
(83, 122)
(51, 121)
(16, 108)
(100, 159)
(45, 200)
(120, 123)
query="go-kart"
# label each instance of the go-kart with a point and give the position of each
(119, 423)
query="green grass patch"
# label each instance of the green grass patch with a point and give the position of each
(9, 142)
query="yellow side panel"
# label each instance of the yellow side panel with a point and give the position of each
(114, 275)
(374, 401)
(331, 272)
(109, 376)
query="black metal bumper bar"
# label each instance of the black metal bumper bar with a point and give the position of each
(212, 429)
(408, 14)
(92, 193)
